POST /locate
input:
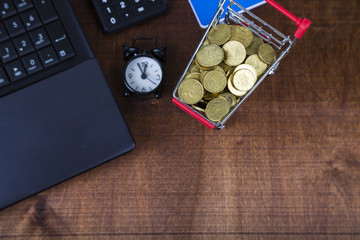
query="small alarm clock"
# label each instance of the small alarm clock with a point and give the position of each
(143, 73)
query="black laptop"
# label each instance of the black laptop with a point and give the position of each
(58, 117)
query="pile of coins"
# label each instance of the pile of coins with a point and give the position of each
(225, 68)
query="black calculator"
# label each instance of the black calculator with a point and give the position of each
(115, 15)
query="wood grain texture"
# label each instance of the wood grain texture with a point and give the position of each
(287, 165)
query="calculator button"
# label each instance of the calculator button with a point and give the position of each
(23, 45)
(7, 8)
(15, 70)
(103, 2)
(154, 3)
(23, 5)
(7, 52)
(31, 19)
(39, 38)
(141, 10)
(112, 21)
(123, 5)
(126, 15)
(117, 14)
(14, 26)
(108, 10)
(138, 1)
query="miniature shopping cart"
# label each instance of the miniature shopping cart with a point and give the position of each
(237, 14)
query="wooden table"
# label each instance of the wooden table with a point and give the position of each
(287, 165)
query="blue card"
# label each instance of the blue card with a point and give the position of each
(205, 9)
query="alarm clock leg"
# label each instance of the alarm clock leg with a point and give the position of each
(127, 93)
(157, 95)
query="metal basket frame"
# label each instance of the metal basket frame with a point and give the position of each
(281, 42)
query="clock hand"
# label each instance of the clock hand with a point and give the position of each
(145, 68)
(140, 68)
(143, 74)
(151, 81)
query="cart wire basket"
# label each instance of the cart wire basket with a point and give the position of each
(238, 15)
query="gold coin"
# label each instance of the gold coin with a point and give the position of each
(225, 67)
(209, 96)
(253, 48)
(241, 34)
(193, 75)
(256, 62)
(219, 34)
(214, 81)
(231, 71)
(233, 90)
(244, 78)
(202, 75)
(190, 91)
(209, 56)
(202, 68)
(198, 108)
(267, 53)
(217, 109)
(229, 97)
(194, 67)
(206, 42)
(235, 53)
(220, 69)
(247, 66)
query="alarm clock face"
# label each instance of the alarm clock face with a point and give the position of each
(143, 74)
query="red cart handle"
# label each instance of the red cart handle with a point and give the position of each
(193, 114)
(303, 24)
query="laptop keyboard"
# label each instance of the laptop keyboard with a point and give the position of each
(32, 39)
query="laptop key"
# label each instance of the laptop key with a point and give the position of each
(33, 39)
(3, 33)
(7, 52)
(40, 38)
(64, 50)
(23, 5)
(3, 78)
(56, 32)
(14, 26)
(15, 70)
(60, 40)
(46, 10)
(31, 19)
(23, 45)
(32, 63)
(7, 8)
(48, 56)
